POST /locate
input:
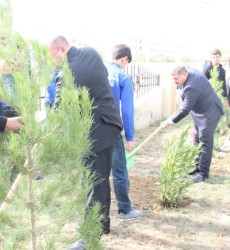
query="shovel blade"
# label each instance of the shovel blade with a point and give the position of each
(129, 161)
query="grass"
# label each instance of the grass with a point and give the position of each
(203, 220)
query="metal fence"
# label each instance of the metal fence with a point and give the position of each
(143, 79)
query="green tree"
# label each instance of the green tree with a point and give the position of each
(43, 215)
(224, 121)
(180, 158)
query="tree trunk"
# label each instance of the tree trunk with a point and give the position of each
(31, 199)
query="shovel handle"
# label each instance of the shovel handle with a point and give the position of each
(149, 138)
(15, 184)
(11, 192)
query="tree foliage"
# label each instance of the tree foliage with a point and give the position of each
(224, 121)
(39, 212)
(181, 156)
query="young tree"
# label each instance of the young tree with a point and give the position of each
(39, 212)
(181, 156)
(224, 121)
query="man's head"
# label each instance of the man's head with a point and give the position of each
(5, 69)
(215, 57)
(179, 75)
(122, 55)
(59, 48)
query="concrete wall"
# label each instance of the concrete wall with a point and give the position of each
(158, 104)
(148, 108)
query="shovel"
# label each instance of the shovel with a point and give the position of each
(15, 184)
(129, 160)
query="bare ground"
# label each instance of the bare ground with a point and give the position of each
(201, 222)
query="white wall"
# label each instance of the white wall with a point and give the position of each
(158, 104)
(148, 109)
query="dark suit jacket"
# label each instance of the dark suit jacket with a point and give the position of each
(3, 121)
(89, 71)
(221, 77)
(200, 100)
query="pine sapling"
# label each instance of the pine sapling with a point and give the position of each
(223, 123)
(180, 158)
(38, 215)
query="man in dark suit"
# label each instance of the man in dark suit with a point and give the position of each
(89, 71)
(200, 100)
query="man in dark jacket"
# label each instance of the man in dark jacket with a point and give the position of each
(89, 71)
(200, 100)
(215, 62)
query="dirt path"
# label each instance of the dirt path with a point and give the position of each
(203, 220)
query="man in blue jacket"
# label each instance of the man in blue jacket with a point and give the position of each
(200, 100)
(121, 85)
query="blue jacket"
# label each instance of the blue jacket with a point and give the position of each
(122, 88)
(3, 121)
(9, 87)
(51, 90)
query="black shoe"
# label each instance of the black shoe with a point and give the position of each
(105, 226)
(14, 173)
(195, 171)
(199, 178)
(106, 231)
(39, 178)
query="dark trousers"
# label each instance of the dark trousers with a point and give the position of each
(101, 165)
(205, 134)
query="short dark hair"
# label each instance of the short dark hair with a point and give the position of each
(121, 50)
(215, 52)
(179, 69)
(59, 40)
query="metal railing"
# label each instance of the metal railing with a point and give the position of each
(143, 79)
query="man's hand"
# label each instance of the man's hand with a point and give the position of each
(130, 146)
(13, 124)
(165, 124)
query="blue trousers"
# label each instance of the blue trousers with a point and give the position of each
(120, 176)
(205, 134)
